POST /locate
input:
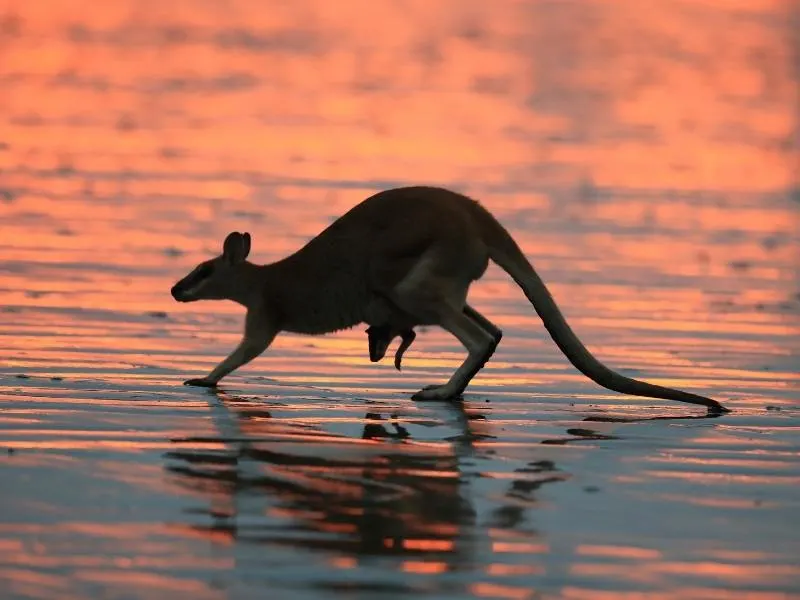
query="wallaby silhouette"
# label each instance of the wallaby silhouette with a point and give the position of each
(401, 258)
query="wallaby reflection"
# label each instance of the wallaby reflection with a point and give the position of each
(381, 494)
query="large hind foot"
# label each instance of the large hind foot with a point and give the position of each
(437, 392)
(201, 382)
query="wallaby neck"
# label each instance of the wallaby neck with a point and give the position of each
(248, 284)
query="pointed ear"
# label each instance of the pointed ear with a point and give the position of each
(246, 237)
(236, 247)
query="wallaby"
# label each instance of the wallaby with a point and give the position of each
(406, 255)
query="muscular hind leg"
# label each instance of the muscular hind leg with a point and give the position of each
(475, 360)
(490, 328)
(434, 292)
(480, 346)
(483, 322)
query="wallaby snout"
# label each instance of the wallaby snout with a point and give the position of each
(179, 293)
(186, 290)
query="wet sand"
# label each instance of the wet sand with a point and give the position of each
(646, 161)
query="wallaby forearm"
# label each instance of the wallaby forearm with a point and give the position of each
(259, 332)
(246, 351)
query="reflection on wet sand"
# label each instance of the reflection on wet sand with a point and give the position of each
(283, 482)
(380, 494)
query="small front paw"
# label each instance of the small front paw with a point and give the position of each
(201, 382)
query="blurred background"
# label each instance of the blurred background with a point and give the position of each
(645, 155)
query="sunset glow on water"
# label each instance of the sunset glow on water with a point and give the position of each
(645, 157)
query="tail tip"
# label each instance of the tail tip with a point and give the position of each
(715, 408)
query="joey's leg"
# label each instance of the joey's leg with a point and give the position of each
(258, 335)
(480, 345)
(407, 338)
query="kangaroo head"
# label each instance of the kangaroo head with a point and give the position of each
(215, 279)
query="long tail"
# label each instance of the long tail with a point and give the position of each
(507, 254)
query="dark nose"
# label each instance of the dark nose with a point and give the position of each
(176, 292)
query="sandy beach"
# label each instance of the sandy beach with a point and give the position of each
(645, 160)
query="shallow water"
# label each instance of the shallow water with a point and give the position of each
(645, 160)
